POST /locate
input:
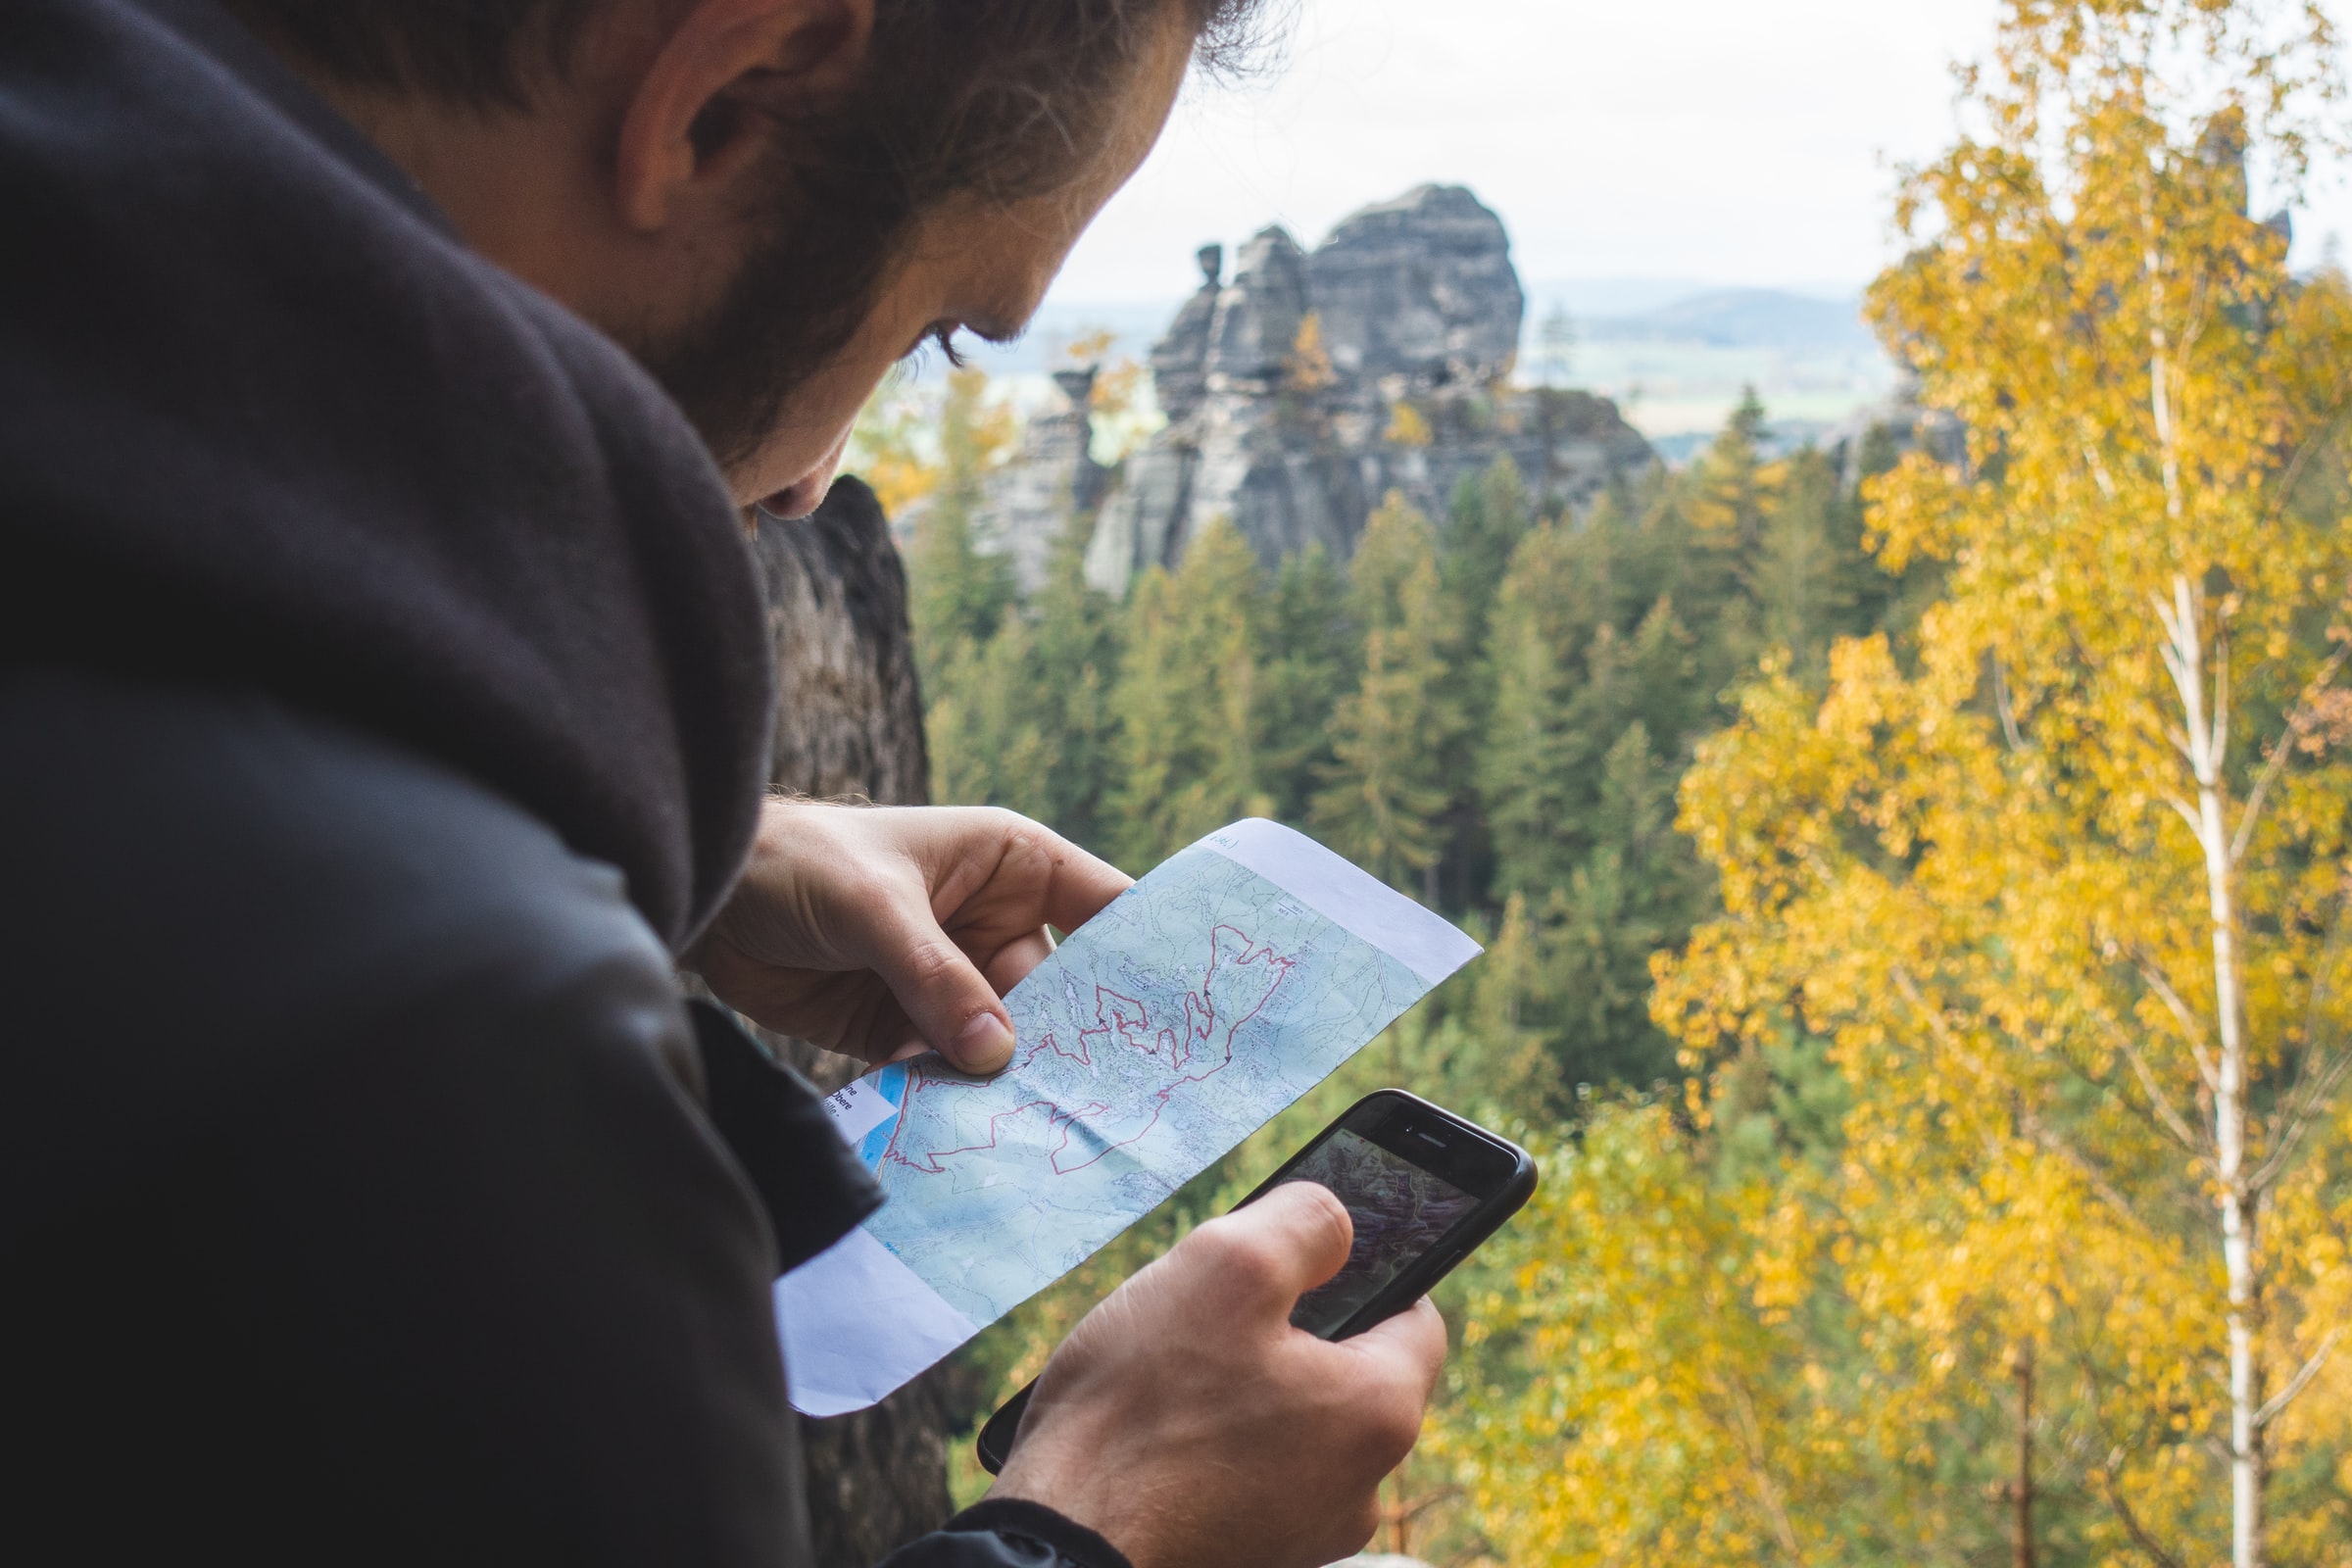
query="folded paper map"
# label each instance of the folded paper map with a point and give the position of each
(1178, 1021)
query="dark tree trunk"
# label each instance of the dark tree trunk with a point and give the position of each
(850, 722)
(2020, 1491)
(849, 716)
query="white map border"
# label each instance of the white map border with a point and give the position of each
(1348, 896)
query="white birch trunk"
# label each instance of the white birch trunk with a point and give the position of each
(2206, 740)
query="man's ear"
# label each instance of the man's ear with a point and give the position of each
(690, 128)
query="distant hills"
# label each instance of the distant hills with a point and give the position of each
(1602, 311)
(1632, 310)
(1741, 318)
(1677, 358)
(1674, 353)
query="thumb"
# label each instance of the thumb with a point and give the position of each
(1406, 1351)
(1270, 1252)
(956, 1010)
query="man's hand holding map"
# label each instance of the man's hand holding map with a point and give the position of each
(1210, 995)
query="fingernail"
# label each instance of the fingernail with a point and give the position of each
(984, 1045)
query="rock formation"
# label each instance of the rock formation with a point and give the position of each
(850, 722)
(1309, 385)
(1245, 435)
(1024, 505)
(1179, 361)
(1419, 288)
(849, 718)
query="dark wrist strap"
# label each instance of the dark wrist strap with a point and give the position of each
(1034, 1521)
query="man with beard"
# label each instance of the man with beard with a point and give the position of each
(383, 715)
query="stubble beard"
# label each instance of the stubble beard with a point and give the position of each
(796, 301)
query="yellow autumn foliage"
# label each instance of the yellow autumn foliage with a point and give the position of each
(2054, 892)
(1407, 426)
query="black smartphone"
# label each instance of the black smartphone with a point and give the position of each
(1423, 1186)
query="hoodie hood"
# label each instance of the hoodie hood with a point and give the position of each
(270, 422)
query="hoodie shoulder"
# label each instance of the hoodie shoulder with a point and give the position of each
(211, 890)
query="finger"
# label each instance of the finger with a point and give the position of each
(951, 1004)
(1010, 964)
(1077, 885)
(1389, 1370)
(853, 1014)
(1274, 1250)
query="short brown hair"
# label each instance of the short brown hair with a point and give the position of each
(989, 65)
(995, 98)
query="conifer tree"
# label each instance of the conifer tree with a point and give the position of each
(1311, 657)
(1076, 665)
(1189, 701)
(1393, 772)
(1489, 513)
(1527, 761)
(1397, 542)
(991, 738)
(1713, 520)
(956, 592)
(1635, 890)
(1801, 575)
(1021, 718)
(1733, 484)
(1662, 680)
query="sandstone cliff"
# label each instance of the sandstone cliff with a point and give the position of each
(1308, 385)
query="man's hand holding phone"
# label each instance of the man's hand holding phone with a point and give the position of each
(1191, 1424)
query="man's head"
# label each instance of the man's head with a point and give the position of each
(769, 201)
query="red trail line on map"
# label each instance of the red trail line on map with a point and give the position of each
(1119, 1019)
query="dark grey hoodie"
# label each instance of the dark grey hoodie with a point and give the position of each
(384, 691)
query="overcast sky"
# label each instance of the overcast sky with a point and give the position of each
(1725, 141)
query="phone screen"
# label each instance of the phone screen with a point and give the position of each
(1401, 1212)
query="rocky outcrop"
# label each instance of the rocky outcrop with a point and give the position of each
(849, 718)
(1308, 387)
(1255, 327)
(1221, 373)
(1179, 360)
(850, 722)
(1025, 504)
(1420, 289)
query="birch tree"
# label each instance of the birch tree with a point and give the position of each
(2068, 895)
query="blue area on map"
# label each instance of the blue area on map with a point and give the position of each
(891, 1082)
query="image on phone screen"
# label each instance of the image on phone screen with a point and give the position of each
(1399, 1210)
